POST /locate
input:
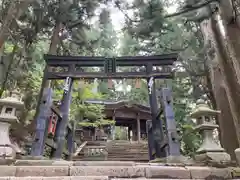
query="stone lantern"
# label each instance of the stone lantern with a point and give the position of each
(8, 116)
(209, 149)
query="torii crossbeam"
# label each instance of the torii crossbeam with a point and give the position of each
(71, 66)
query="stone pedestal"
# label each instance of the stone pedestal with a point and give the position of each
(5, 143)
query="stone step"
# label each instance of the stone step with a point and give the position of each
(135, 148)
(57, 178)
(128, 155)
(128, 151)
(141, 171)
(142, 153)
(104, 163)
(126, 146)
(125, 159)
(128, 158)
(145, 179)
(76, 178)
(73, 163)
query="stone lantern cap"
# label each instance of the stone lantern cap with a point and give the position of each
(202, 109)
(13, 100)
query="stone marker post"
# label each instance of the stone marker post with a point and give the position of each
(237, 153)
(8, 116)
(209, 149)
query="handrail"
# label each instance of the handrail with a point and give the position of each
(80, 148)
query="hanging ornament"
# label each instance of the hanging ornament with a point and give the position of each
(110, 84)
(125, 86)
(66, 85)
(52, 124)
(138, 83)
(150, 84)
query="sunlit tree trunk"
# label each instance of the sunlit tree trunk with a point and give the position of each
(229, 27)
(225, 119)
(8, 69)
(229, 74)
(15, 10)
(53, 51)
(2, 65)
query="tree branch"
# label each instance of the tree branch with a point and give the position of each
(117, 3)
(8, 69)
(191, 8)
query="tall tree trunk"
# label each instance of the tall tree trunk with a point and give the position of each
(225, 119)
(54, 43)
(230, 34)
(15, 10)
(52, 50)
(229, 74)
(8, 69)
(226, 122)
(2, 64)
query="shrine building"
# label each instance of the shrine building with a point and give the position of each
(126, 114)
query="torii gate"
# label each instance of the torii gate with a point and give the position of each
(70, 70)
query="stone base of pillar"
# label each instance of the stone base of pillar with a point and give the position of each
(213, 157)
(237, 153)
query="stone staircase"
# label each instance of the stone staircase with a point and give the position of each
(93, 151)
(118, 150)
(127, 151)
(108, 170)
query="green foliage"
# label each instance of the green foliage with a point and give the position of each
(120, 133)
(139, 95)
(129, 46)
(182, 107)
(88, 115)
(190, 139)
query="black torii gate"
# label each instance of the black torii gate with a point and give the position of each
(70, 68)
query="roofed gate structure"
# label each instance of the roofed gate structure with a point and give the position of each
(127, 114)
